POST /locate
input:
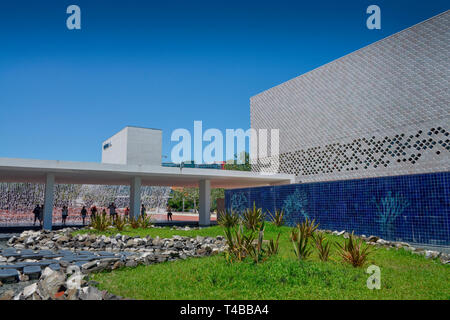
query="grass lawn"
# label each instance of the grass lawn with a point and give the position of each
(403, 275)
(165, 232)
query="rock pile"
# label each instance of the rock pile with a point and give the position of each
(34, 251)
(56, 285)
(63, 240)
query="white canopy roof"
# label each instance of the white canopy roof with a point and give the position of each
(30, 170)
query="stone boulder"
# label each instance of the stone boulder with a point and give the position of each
(51, 284)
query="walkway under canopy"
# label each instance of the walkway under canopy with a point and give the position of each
(51, 172)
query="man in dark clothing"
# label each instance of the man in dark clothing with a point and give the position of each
(142, 211)
(93, 212)
(112, 210)
(37, 214)
(83, 214)
(64, 213)
(169, 213)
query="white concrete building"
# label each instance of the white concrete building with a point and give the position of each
(133, 145)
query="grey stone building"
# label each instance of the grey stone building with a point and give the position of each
(382, 110)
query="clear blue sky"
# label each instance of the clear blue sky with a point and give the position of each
(163, 64)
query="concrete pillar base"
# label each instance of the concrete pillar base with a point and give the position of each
(48, 201)
(205, 203)
(135, 197)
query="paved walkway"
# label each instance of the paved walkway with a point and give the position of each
(160, 219)
(75, 220)
(179, 217)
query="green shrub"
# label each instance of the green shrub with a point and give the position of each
(300, 237)
(144, 222)
(277, 218)
(323, 247)
(100, 222)
(133, 222)
(353, 251)
(253, 218)
(120, 222)
(256, 250)
(238, 243)
(273, 246)
(244, 244)
(309, 227)
(228, 219)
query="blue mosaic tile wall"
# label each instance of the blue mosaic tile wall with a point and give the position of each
(411, 208)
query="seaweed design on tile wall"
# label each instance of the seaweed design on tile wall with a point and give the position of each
(388, 209)
(296, 203)
(239, 202)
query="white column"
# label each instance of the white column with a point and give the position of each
(135, 197)
(205, 203)
(48, 201)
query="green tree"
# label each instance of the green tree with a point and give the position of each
(218, 193)
(192, 195)
(191, 198)
(233, 164)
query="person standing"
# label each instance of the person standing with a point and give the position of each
(112, 210)
(169, 213)
(37, 214)
(83, 214)
(93, 212)
(64, 213)
(142, 211)
(127, 212)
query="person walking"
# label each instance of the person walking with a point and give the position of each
(64, 213)
(142, 211)
(83, 214)
(37, 214)
(169, 214)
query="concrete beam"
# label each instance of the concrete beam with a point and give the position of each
(31, 170)
(48, 201)
(135, 197)
(205, 203)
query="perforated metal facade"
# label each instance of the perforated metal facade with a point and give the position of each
(381, 110)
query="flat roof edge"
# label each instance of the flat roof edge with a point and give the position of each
(126, 127)
(58, 166)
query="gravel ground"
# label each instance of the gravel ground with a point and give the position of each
(3, 243)
(16, 287)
